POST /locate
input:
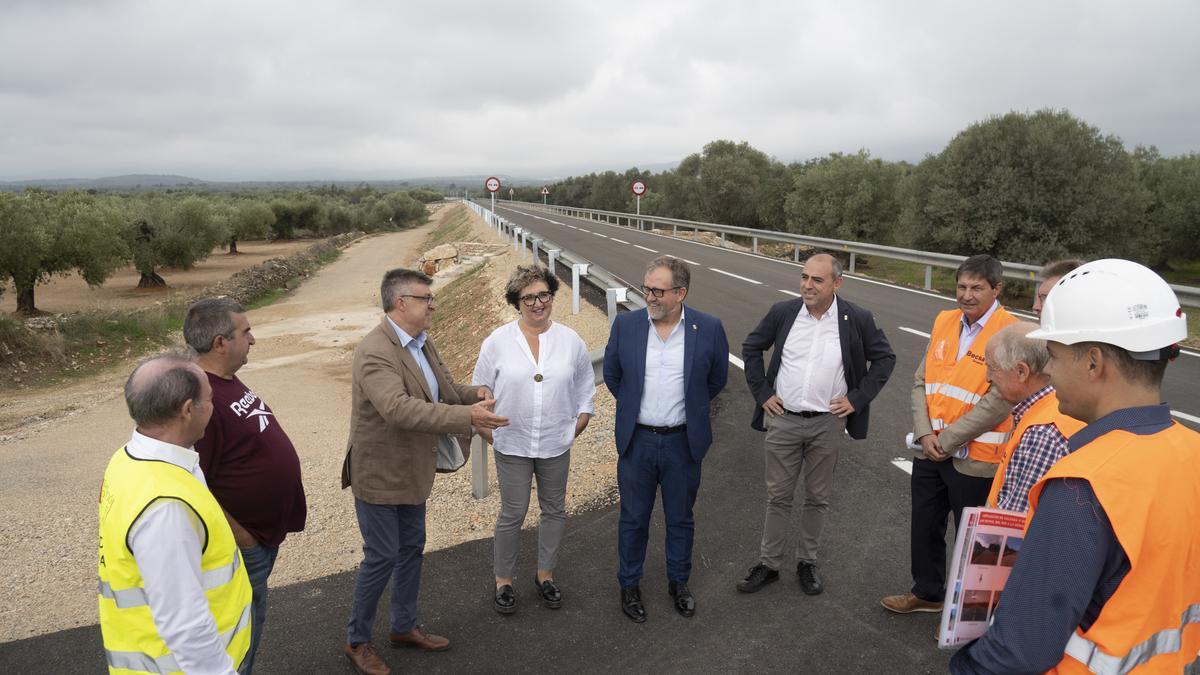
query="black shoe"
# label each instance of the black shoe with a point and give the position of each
(685, 602)
(549, 593)
(810, 583)
(506, 599)
(631, 604)
(760, 575)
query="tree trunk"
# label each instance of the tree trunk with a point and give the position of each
(233, 246)
(151, 280)
(25, 302)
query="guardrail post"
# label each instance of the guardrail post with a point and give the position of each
(516, 238)
(853, 259)
(524, 241)
(796, 252)
(674, 229)
(722, 235)
(536, 242)
(755, 240)
(929, 277)
(479, 467)
(614, 295)
(577, 270)
(552, 253)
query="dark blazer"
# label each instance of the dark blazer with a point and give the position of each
(705, 369)
(862, 344)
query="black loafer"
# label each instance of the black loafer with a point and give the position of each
(685, 602)
(760, 575)
(506, 599)
(549, 593)
(631, 604)
(810, 583)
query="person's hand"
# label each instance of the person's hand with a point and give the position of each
(486, 434)
(773, 405)
(482, 416)
(841, 406)
(933, 449)
(484, 394)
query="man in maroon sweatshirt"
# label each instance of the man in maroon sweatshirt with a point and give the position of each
(248, 461)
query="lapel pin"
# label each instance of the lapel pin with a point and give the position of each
(694, 327)
(845, 317)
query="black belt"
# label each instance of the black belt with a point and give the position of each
(663, 430)
(806, 413)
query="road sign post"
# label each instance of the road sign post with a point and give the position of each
(492, 184)
(638, 188)
(545, 192)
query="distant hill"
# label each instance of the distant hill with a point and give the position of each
(133, 181)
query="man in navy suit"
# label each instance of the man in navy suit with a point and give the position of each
(816, 390)
(663, 364)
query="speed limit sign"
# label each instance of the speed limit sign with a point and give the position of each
(638, 188)
(492, 184)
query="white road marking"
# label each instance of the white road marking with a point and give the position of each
(619, 241)
(644, 248)
(555, 222)
(914, 331)
(600, 235)
(1185, 416)
(690, 262)
(790, 293)
(735, 276)
(737, 362)
(903, 463)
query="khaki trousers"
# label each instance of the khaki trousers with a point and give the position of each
(804, 450)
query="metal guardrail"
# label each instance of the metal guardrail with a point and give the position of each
(1188, 295)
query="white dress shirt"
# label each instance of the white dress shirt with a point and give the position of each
(662, 388)
(541, 410)
(811, 374)
(969, 331)
(167, 540)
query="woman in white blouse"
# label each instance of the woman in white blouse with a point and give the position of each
(542, 380)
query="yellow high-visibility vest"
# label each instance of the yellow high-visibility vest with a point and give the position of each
(131, 641)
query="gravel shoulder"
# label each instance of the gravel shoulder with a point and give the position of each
(301, 366)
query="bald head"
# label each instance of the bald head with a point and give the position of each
(158, 388)
(819, 282)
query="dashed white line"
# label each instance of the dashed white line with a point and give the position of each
(790, 293)
(735, 276)
(555, 222)
(737, 362)
(600, 235)
(914, 331)
(573, 227)
(1185, 416)
(903, 463)
(644, 248)
(690, 262)
(619, 241)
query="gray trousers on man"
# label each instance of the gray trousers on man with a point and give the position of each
(804, 450)
(515, 475)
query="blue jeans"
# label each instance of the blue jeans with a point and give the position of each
(393, 549)
(653, 462)
(259, 561)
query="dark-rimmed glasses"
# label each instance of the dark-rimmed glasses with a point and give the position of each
(658, 292)
(543, 297)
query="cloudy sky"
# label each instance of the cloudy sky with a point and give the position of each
(382, 89)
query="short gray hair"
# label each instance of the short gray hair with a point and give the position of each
(396, 281)
(1010, 346)
(1059, 268)
(833, 260)
(681, 275)
(208, 318)
(159, 386)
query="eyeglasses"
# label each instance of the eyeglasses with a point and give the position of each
(658, 292)
(423, 298)
(543, 297)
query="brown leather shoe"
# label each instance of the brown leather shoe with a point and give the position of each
(365, 660)
(419, 638)
(907, 603)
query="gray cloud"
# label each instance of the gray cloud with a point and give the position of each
(229, 90)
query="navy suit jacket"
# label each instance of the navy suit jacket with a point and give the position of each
(862, 343)
(705, 368)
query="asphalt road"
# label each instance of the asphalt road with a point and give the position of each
(864, 555)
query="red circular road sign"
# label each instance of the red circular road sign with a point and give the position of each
(492, 184)
(638, 188)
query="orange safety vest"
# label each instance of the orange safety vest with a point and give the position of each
(953, 386)
(1043, 411)
(1150, 488)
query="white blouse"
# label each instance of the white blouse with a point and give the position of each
(541, 398)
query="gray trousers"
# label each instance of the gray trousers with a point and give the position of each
(515, 475)
(805, 450)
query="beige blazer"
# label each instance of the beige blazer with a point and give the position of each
(391, 456)
(990, 411)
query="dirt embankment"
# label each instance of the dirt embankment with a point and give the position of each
(301, 367)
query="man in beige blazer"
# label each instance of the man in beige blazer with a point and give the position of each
(403, 399)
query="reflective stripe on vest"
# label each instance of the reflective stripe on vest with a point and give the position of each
(166, 663)
(1167, 641)
(134, 597)
(986, 437)
(968, 397)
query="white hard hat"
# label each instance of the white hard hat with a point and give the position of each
(1117, 302)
